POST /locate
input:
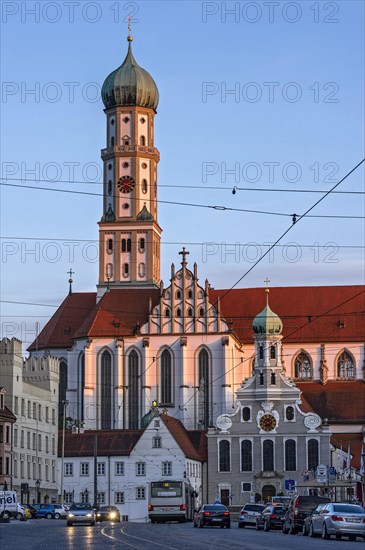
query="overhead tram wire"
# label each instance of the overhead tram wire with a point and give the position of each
(193, 205)
(204, 187)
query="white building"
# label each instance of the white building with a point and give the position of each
(32, 395)
(128, 460)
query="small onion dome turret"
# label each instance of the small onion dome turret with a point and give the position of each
(267, 322)
(130, 85)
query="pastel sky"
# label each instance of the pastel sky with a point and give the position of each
(269, 96)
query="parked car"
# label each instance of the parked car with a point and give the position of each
(60, 511)
(81, 512)
(45, 511)
(249, 514)
(9, 505)
(300, 508)
(340, 520)
(281, 500)
(308, 519)
(108, 513)
(212, 514)
(31, 509)
(270, 518)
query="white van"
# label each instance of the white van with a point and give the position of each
(9, 505)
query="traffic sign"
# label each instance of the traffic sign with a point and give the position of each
(289, 484)
(322, 473)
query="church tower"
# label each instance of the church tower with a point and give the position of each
(129, 234)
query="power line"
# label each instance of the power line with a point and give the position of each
(196, 205)
(205, 187)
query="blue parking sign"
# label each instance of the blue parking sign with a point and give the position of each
(289, 484)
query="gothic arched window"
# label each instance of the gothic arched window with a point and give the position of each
(224, 456)
(268, 456)
(62, 387)
(204, 388)
(80, 387)
(345, 366)
(133, 391)
(302, 367)
(290, 455)
(106, 391)
(313, 454)
(166, 378)
(246, 455)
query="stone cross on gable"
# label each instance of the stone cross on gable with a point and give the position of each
(70, 280)
(184, 253)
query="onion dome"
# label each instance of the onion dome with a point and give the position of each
(130, 85)
(144, 215)
(267, 322)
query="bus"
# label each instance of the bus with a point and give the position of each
(170, 501)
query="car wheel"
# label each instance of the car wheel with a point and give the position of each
(311, 531)
(284, 529)
(338, 536)
(240, 526)
(19, 516)
(49, 516)
(304, 531)
(292, 530)
(228, 526)
(325, 534)
(257, 526)
(266, 526)
(201, 524)
(5, 514)
(352, 537)
(194, 524)
(57, 516)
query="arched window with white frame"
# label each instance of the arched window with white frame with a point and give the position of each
(345, 366)
(303, 367)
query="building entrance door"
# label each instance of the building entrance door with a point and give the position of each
(225, 497)
(268, 491)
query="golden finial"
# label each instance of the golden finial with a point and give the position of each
(130, 37)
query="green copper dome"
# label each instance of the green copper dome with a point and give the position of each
(130, 85)
(267, 322)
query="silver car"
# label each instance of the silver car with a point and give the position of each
(249, 514)
(340, 520)
(80, 513)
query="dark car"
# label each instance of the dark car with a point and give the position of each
(270, 518)
(32, 510)
(45, 511)
(212, 514)
(300, 508)
(108, 513)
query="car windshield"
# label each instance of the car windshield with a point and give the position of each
(81, 506)
(253, 507)
(348, 509)
(215, 508)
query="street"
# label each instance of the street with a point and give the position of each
(55, 535)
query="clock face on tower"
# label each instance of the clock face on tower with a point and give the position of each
(267, 423)
(126, 184)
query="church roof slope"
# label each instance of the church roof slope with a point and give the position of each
(59, 330)
(118, 313)
(192, 446)
(340, 402)
(309, 314)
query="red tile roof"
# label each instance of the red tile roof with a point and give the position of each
(119, 312)
(355, 441)
(109, 442)
(340, 402)
(192, 443)
(60, 329)
(299, 307)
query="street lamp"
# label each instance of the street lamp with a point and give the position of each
(37, 485)
(64, 404)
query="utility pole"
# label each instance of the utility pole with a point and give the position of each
(95, 470)
(64, 403)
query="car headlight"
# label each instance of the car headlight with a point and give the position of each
(112, 515)
(98, 514)
(89, 515)
(70, 515)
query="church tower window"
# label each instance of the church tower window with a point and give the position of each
(63, 380)
(313, 454)
(142, 244)
(167, 312)
(201, 312)
(190, 312)
(268, 456)
(190, 294)
(112, 141)
(144, 186)
(204, 389)
(166, 378)
(224, 456)
(246, 414)
(290, 455)
(246, 455)
(261, 352)
(178, 312)
(289, 413)
(106, 391)
(178, 294)
(261, 378)
(133, 390)
(273, 379)
(125, 270)
(109, 248)
(272, 352)
(143, 141)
